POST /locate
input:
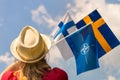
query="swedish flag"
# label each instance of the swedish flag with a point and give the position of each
(91, 18)
(106, 40)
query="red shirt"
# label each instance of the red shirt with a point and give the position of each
(54, 74)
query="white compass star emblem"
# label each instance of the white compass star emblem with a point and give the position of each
(84, 49)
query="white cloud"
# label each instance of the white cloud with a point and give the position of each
(110, 12)
(68, 5)
(42, 9)
(111, 78)
(41, 16)
(110, 61)
(79, 9)
(108, 64)
(6, 58)
(55, 59)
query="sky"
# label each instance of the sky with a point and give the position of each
(45, 15)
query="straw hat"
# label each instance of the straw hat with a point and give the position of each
(30, 46)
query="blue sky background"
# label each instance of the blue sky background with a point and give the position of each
(44, 15)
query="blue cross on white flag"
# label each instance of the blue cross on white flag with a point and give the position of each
(85, 42)
(65, 27)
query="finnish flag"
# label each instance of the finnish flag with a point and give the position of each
(65, 27)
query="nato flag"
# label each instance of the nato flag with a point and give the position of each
(83, 45)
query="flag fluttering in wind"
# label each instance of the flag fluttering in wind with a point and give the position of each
(106, 40)
(82, 44)
(65, 27)
(87, 40)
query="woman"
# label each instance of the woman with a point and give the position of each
(30, 48)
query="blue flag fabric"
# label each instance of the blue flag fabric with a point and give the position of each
(87, 44)
(92, 17)
(83, 46)
(106, 40)
(109, 37)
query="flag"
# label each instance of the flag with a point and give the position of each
(90, 18)
(106, 40)
(82, 45)
(65, 27)
(85, 42)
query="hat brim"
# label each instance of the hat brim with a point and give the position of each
(16, 55)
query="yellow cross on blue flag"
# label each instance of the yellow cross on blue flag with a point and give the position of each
(106, 40)
(87, 40)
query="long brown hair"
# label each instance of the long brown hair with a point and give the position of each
(34, 71)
